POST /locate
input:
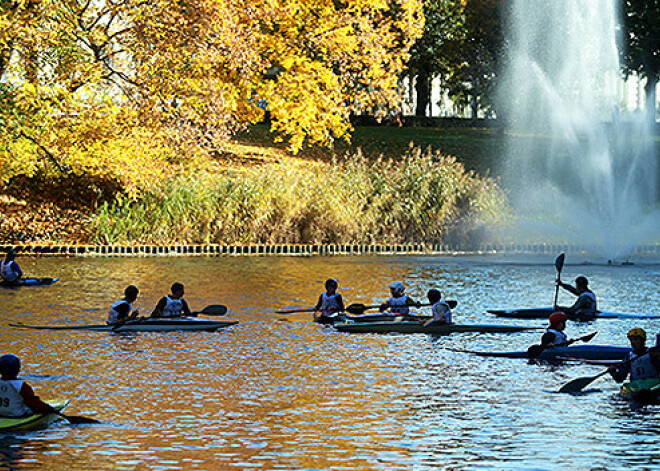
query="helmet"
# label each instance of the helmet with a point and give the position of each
(434, 295)
(398, 287)
(581, 281)
(637, 332)
(10, 365)
(557, 317)
(331, 282)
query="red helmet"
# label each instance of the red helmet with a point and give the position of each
(557, 317)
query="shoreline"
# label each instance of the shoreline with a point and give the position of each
(73, 250)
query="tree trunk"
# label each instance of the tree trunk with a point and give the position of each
(423, 94)
(649, 89)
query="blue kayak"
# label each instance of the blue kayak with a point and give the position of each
(574, 352)
(544, 313)
(29, 282)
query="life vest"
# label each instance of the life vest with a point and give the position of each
(641, 366)
(399, 305)
(173, 307)
(11, 401)
(329, 304)
(7, 271)
(441, 311)
(592, 310)
(560, 337)
(113, 314)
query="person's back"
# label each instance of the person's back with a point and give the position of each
(440, 309)
(17, 399)
(9, 269)
(120, 311)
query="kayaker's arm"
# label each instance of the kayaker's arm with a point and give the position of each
(571, 289)
(186, 309)
(581, 304)
(340, 303)
(33, 401)
(160, 307)
(319, 303)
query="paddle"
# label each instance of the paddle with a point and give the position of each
(559, 264)
(535, 350)
(213, 310)
(359, 308)
(78, 419)
(291, 311)
(576, 385)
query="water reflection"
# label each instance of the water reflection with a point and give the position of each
(291, 394)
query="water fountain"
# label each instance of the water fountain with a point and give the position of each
(580, 171)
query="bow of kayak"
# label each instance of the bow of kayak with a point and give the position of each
(32, 422)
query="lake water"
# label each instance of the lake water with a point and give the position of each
(280, 392)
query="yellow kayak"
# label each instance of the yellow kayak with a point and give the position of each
(643, 390)
(31, 422)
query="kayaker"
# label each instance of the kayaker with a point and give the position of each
(172, 305)
(17, 399)
(120, 311)
(440, 309)
(399, 303)
(9, 269)
(585, 307)
(329, 303)
(554, 334)
(641, 363)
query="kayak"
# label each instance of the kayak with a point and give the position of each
(574, 352)
(544, 313)
(29, 282)
(31, 422)
(341, 318)
(412, 327)
(644, 391)
(144, 325)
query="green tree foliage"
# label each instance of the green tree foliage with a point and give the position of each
(641, 44)
(476, 54)
(428, 56)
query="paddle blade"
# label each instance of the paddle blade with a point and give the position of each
(214, 310)
(535, 351)
(559, 262)
(452, 303)
(588, 338)
(356, 308)
(79, 420)
(578, 384)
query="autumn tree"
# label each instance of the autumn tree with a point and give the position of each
(180, 77)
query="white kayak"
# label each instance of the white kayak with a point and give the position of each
(161, 324)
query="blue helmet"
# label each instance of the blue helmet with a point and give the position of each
(10, 365)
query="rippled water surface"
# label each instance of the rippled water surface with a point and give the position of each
(280, 392)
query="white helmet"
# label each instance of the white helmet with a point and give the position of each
(398, 287)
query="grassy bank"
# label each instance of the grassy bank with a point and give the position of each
(389, 185)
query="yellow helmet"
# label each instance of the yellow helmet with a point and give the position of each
(637, 332)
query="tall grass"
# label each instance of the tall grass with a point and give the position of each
(424, 197)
